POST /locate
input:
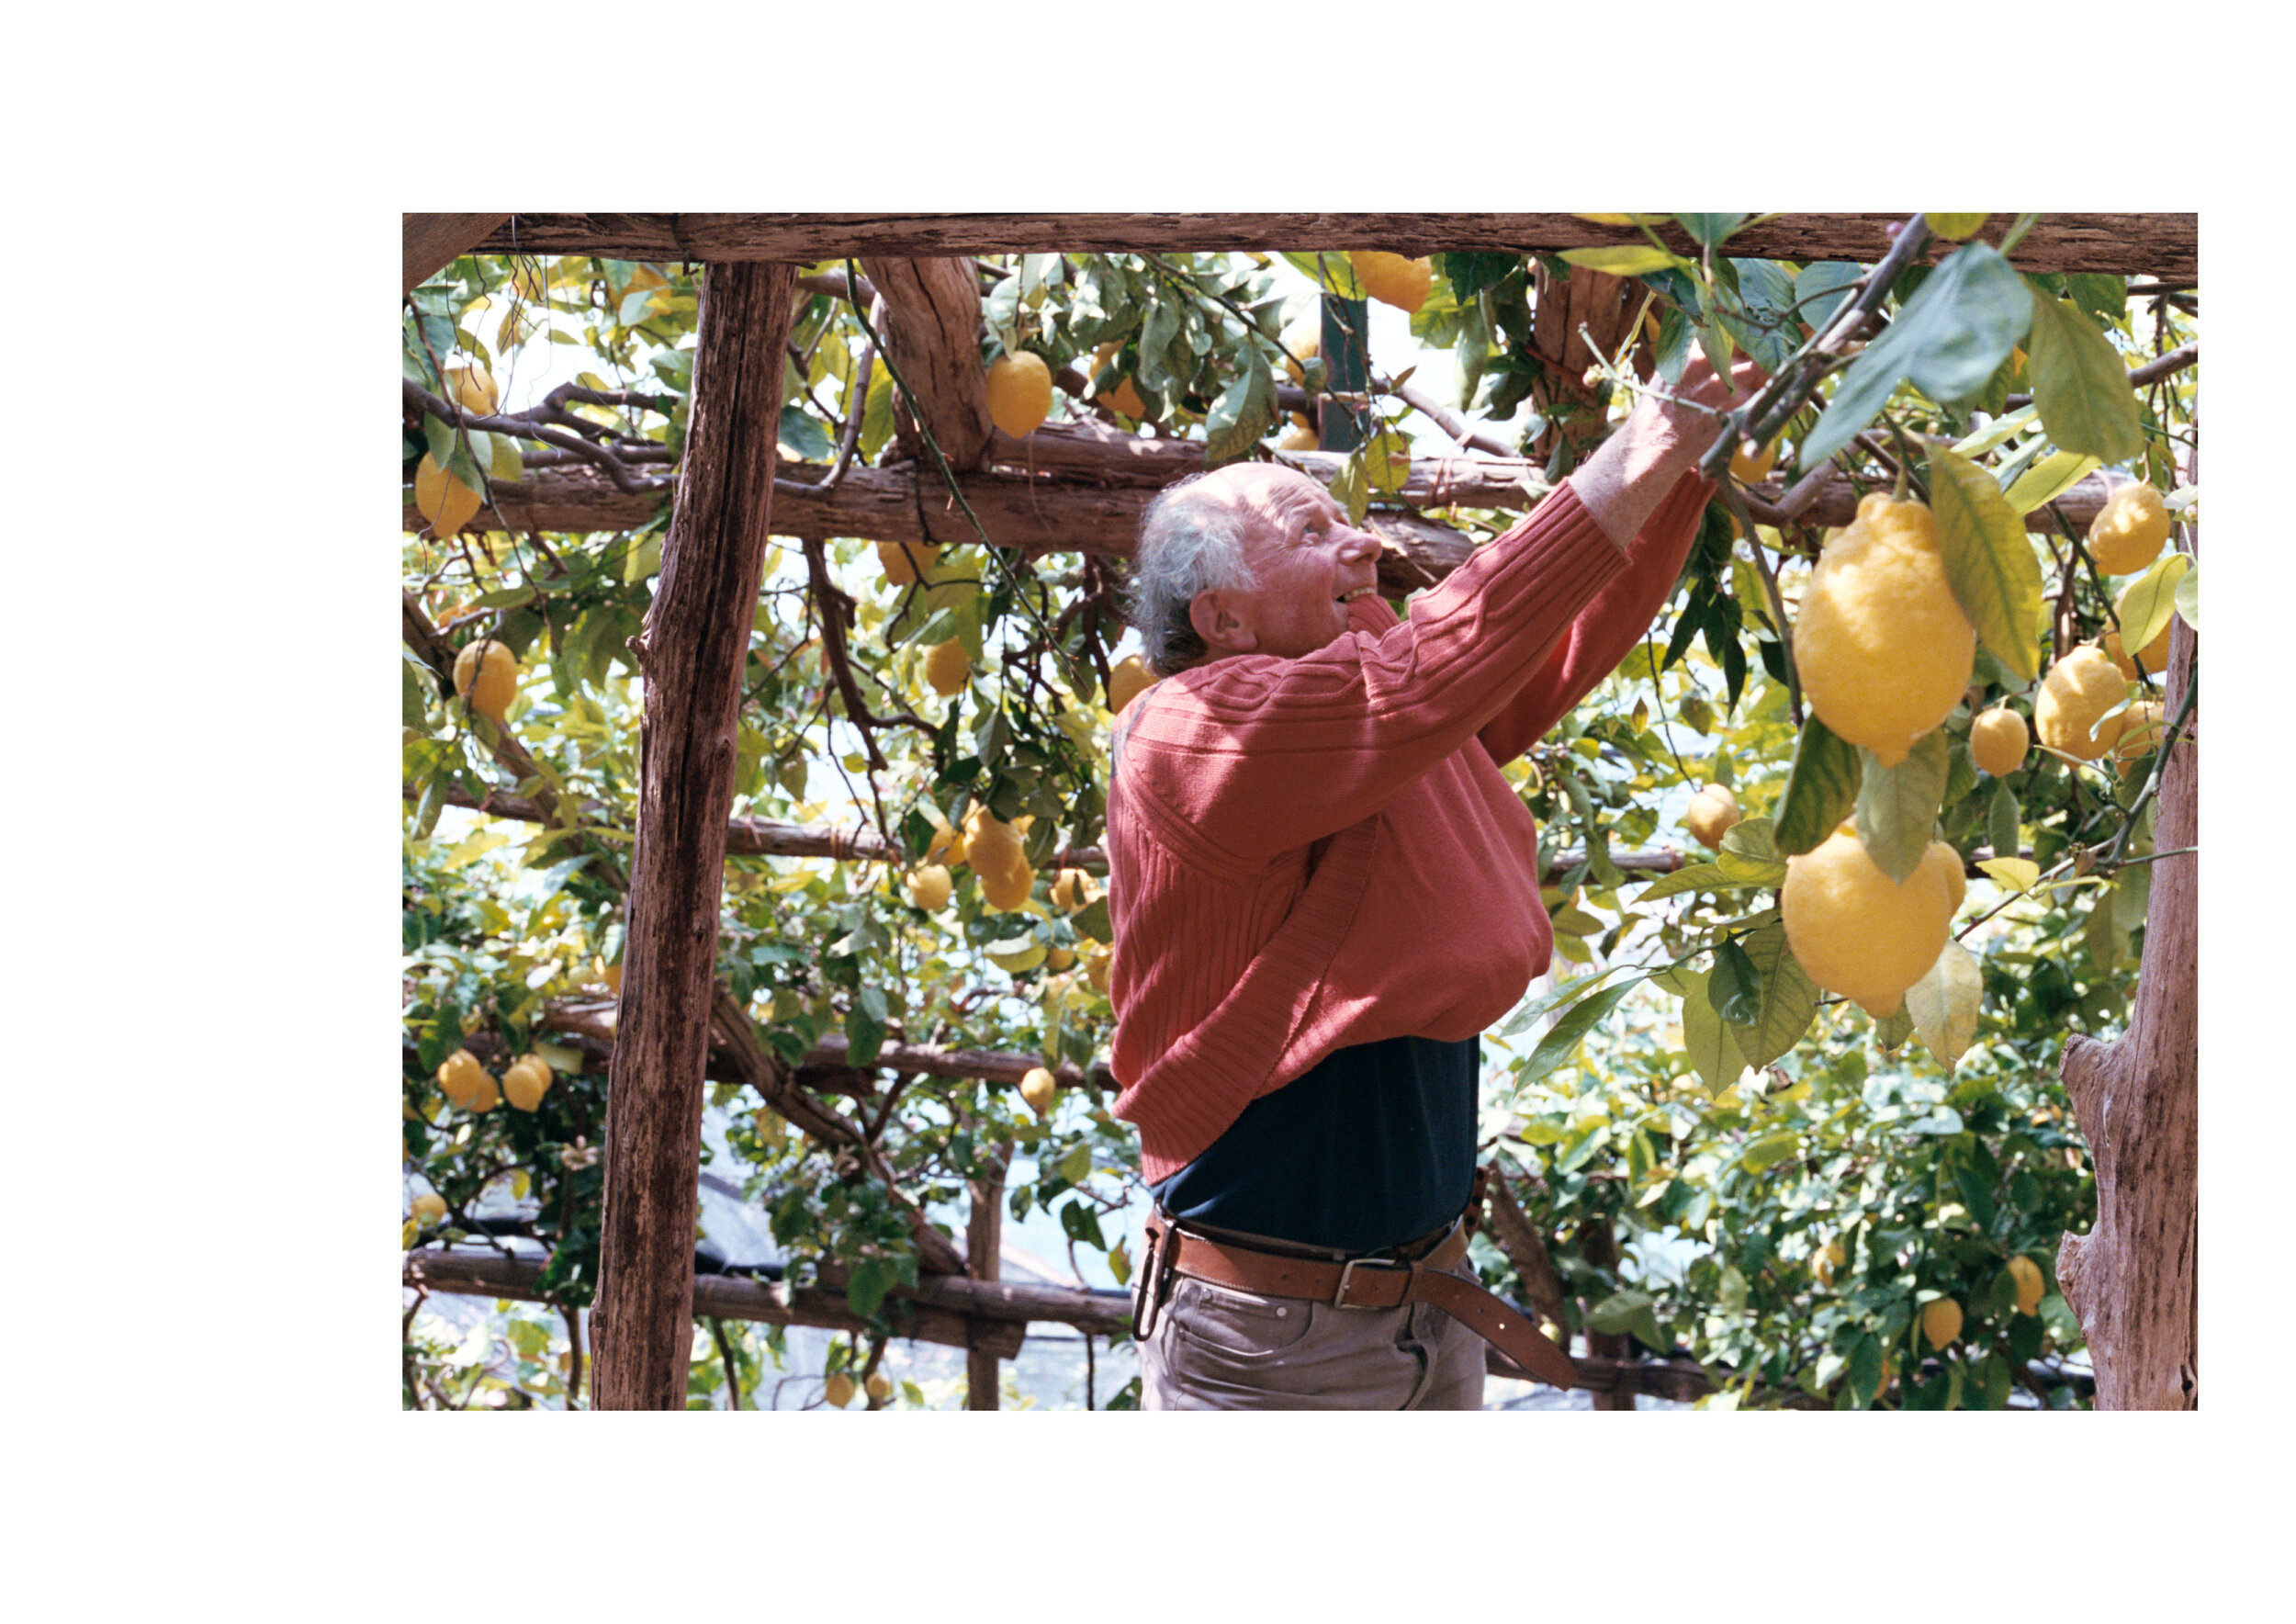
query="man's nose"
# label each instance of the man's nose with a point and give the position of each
(1360, 543)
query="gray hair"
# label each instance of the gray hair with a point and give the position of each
(1189, 543)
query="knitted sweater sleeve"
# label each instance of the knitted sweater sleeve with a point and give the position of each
(1607, 629)
(1255, 755)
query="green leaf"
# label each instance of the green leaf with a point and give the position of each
(2188, 597)
(1351, 489)
(1245, 411)
(1948, 339)
(1821, 290)
(1626, 259)
(1330, 270)
(2049, 479)
(2005, 821)
(872, 1278)
(1768, 1151)
(2146, 603)
(865, 1026)
(1990, 563)
(1093, 920)
(2000, 431)
(1615, 1313)
(1564, 1036)
(805, 437)
(1897, 807)
(1749, 855)
(2102, 935)
(1469, 274)
(1954, 226)
(1820, 791)
(877, 413)
(1709, 230)
(1691, 877)
(507, 597)
(1734, 988)
(508, 466)
(1945, 1003)
(1713, 1052)
(2018, 874)
(2132, 895)
(2081, 387)
(416, 686)
(1788, 1002)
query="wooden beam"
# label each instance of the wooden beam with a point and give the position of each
(430, 242)
(692, 650)
(2165, 245)
(492, 1274)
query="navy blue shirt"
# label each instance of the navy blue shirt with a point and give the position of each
(1371, 1146)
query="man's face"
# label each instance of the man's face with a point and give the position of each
(1308, 562)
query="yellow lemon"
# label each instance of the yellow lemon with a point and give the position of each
(1710, 814)
(1753, 470)
(2152, 657)
(2138, 733)
(1299, 436)
(459, 1077)
(1006, 889)
(838, 1390)
(1940, 1322)
(1997, 741)
(1020, 394)
(1097, 967)
(929, 886)
(946, 845)
(442, 499)
(902, 559)
(2076, 691)
(1825, 1263)
(1860, 934)
(946, 667)
(526, 1081)
(1037, 1088)
(1129, 675)
(473, 391)
(1954, 226)
(486, 673)
(487, 1096)
(2030, 1286)
(2127, 532)
(429, 1208)
(1075, 889)
(1883, 647)
(1394, 279)
(1058, 958)
(879, 1387)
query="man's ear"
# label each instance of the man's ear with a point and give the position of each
(1215, 621)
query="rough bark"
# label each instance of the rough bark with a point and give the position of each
(1565, 315)
(2165, 245)
(492, 1274)
(2134, 1281)
(693, 646)
(933, 332)
(1617, 1346)
(1088, 494)
(983, 1247)
(430, 242)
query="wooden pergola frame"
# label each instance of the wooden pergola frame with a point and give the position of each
(671, 1013)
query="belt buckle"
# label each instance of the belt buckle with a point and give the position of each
(1346, 1272)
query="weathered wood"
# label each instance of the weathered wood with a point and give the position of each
(492, 1274)
(983, 1257)
(933, 334)
(1565, 315)
(2165, 245)
(2134, 1281)
(430, 242)
(693, 646)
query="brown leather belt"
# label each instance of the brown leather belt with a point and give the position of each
(1359, 1283)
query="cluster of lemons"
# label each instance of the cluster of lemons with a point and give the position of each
(446, 504)
(838, 1390)
(468, 1086)
(2076, 710)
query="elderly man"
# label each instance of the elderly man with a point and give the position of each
(1322, 890)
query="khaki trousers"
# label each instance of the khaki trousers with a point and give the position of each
(1215, 1348)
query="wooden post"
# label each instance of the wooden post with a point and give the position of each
(690, 652)
(2134, 1281)
(1347, 363)
(1602, 1250)
(983, 1249)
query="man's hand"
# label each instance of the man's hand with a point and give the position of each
(1623, 484)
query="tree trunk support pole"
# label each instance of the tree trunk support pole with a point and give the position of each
(983, 1247)
(691, 651)
(1347, 366)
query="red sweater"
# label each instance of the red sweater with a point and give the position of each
(1305, 854)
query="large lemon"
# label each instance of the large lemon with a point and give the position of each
(2030, 1286)
(1129, 675)
(486, 673)
(1940, 1322)
(1020, 394)
(429, 1208)
(2077, 690)
(2126, 533)
(946, 667)
(1391, 279)
(1299, 436)
(1304, 339)
(838, 1390)
(461, 1079)
(526, 1081)
(1883, 647)
(444, 499)
(1711, 813)
(1075, 889)
(1039, 1087)
(2152, 657)
(1860, 934)
(473, 390)
(994, 850)
(1997, 741)
(928, 887)
(902, 559)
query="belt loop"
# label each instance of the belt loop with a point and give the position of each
(1156, 1277)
